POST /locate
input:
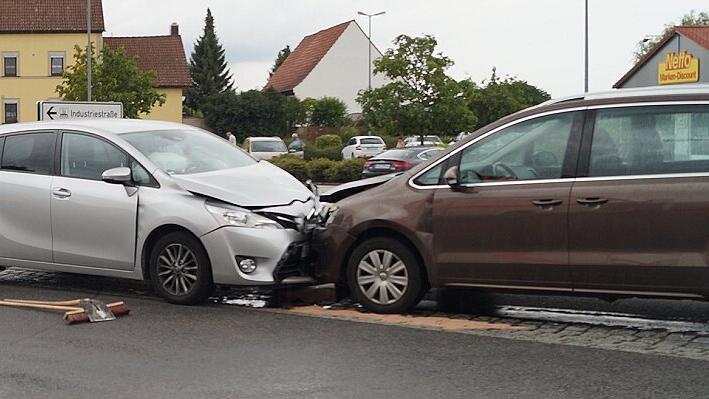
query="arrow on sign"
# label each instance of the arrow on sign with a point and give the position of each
(51, 112)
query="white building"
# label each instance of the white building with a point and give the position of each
(332, 63)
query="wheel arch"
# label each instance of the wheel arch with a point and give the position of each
(154, 236)
(388, 232)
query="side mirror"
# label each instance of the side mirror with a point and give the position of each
(451, 177)
(121, 175)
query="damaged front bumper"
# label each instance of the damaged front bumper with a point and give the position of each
(282, 256)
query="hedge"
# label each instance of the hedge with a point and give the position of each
(312, 152)
(321, 170)
(328, 141)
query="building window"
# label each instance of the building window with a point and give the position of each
(9, 64)
(56, 64)
(10, 111)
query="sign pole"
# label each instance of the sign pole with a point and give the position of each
(88, 50)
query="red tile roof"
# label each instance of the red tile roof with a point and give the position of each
(304, 58)
(698, 34)
(25, 16)
(164, 55)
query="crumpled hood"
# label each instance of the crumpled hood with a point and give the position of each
(255, 186)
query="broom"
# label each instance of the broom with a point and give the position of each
(76, 311)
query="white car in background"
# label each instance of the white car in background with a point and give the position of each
(428, 140)
(363, 147)
(265, 147)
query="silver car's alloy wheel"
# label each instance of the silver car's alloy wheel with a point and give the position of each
(382, 277)
(177, 269)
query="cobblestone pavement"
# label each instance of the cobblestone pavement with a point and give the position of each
(604, 330)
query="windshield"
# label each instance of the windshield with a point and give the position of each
(182, 152)
(268, 146)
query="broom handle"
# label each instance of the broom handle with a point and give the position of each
(72, 302)
(39, 306)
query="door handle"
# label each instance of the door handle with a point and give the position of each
(591, 201)
(547, 202)
(61, 193)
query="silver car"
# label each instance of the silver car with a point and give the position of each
(158, 201)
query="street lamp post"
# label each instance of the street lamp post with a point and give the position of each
(369, 37)
(88, 50)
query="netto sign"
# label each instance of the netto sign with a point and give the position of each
(680, 67)
(65, 110)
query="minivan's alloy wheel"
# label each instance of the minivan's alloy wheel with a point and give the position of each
(177, 269)
(180, 269)
(382, 276)
(385, 275)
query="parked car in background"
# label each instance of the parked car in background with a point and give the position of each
(149, 200)
(599, 194)
(297, 148)
(265, 147)
(363, 147)
(459, 137)
(398, 160)
(428, 140)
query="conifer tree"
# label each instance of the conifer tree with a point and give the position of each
(208, 67)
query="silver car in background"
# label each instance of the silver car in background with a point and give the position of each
(158, 201)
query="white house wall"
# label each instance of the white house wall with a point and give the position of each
(343, 71)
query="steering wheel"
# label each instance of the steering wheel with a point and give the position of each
(506, 170)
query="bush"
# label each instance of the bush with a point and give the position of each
(318, 169)
(293, 165)
(328, 141)
(321, 170)
(346, 133)
(344, 171)
(312, 152)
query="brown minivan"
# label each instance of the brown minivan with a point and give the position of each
(604, 194)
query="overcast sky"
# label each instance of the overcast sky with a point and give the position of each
(540, 41)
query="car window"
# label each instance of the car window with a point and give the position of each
(428, 154)
(371, 140)
(432, 177)
(268, 146)
(650, 140)
(530, 150)
(29, 152)
(352, 141)
(87, 157)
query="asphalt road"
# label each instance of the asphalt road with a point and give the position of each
(218, 351)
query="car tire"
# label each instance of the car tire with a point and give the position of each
(180, 270)
(385, 276)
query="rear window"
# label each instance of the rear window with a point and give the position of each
(29, 152)
(268, 146)
(371, 140)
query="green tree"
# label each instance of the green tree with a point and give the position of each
(692, 18)
(328, 111)
(499, 97)
(114, 77)
(249, 113)
(282, 55)
(208, 68)
(420, 98)
(295, 113)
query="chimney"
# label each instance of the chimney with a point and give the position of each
(174, 29)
